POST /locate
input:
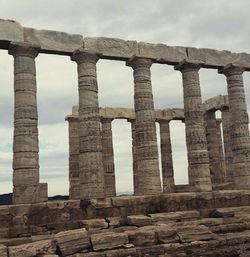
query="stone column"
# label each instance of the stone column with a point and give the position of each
(226, 124)
(108, 157)
(213, 145)
(74, 172)
(166, 157)
(240, 141)
(221, 151)
(27, 188)
(198, 160)
(135, 178)
(90, 140)
(148, 174)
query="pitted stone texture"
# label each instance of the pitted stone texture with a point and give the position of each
(53, 42)
(214, 149)
(239, 130)
(198, 160)
(90, 141)
(148, 177)
(162, 53)
(108, 158)
(139, 220)
(226, 125)
(3, 251)
(142, 236)
(108, 240)
(72, 241)
(10, 31)
(111, 48)
(166, 157)
(94, 224)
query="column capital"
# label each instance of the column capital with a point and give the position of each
(231, 69)
(137, 62)
(162, 121)
(218, 121)
(186, 65)
(81, 55)
(131, 120)
(23, 49)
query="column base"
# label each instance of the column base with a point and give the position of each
(30, 194)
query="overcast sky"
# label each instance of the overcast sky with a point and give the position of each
(219, 24)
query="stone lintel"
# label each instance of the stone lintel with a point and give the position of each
(219, 102)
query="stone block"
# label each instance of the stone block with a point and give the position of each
(32, 249)
(111, 48)
(115, 222)
(152, 251)
(108, 240)
(121, 252)
(53, 42)
(162, 53)
(139, 220)
(166, 234)
(142, 237)
(3, 251)
(165, 217)
(72, 241)
(210, 57)
(26, 177)
(10, 31)
(94, 224)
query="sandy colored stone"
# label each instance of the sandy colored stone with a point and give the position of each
(142, 237)
(3, 251)
(72, 241)
(139, 220)
(94, 224)
(108, 240)
(32, 249)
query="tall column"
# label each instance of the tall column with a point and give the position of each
(226, 124)
(108, 157)
(166, 157)
(148, 173)
(90, 139)
(213, 145)
(27, 188)
(198, 160)
(74, 172)
(240, 141)
(221, 151)
(135, 178)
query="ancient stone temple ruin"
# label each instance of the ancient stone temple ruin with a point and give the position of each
(207, 217)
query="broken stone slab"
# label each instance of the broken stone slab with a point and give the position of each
(162, 53)
(165, 217)
(166, 234)
(72, 241)
(139, 220)
(108, 240)
(143, 236)
(191, 234)
(3, 251)
(32, 249)
(94, 224)
(111, 48)
(10, 31)
(53, 42)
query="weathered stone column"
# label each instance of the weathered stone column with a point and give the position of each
(108, 157)
(135, 178)
(240, 141)
(74, 172)
(198, 160)
(213, 145)
(27, 188)
(90, 139)
(148, 173)
(221, 151)
(166, 157)
(226, 124)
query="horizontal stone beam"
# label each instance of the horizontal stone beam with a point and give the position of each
(55, 42)
(216, 103)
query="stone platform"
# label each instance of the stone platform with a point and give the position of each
(178, 224)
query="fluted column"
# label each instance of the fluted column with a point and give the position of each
(148, 173)
(90, 139)
(221, 151)
(166, 157)
(27, 188)
(135, 178)
(74, 172)
(213, 145)
(240, 141)
(108, 157)
(198, 160)
(226, 124)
